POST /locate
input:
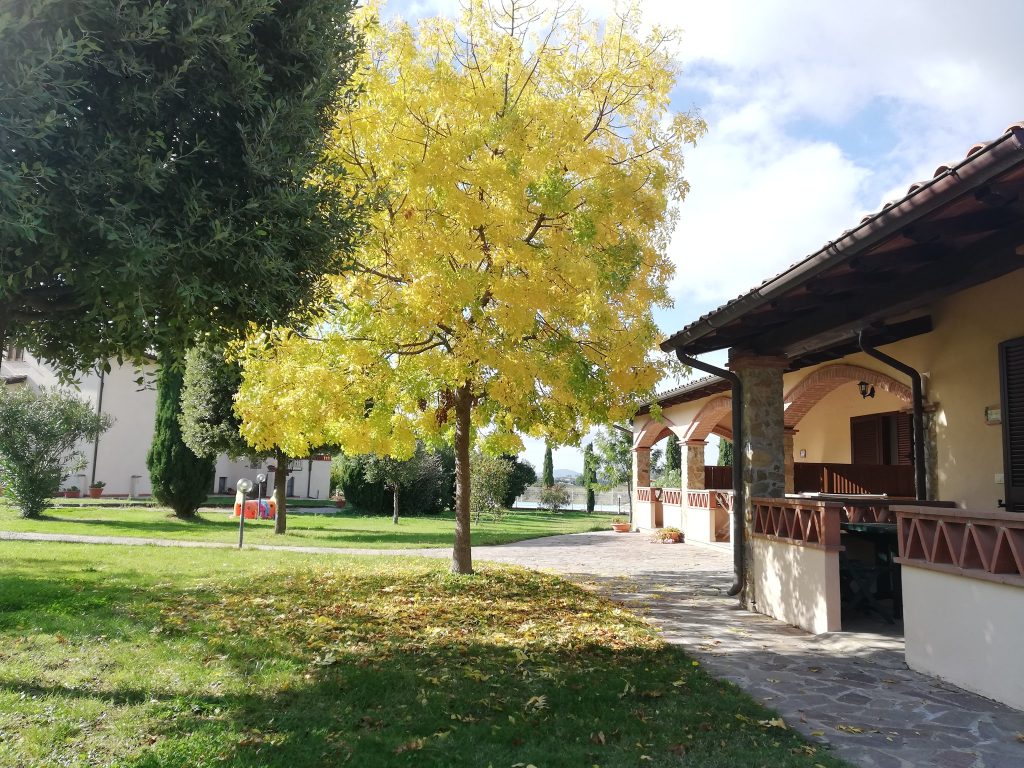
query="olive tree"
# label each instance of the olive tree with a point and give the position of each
(39, 442)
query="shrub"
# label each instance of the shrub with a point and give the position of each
(489, 484)
(522, 477)
(38, 443)
(555, 497)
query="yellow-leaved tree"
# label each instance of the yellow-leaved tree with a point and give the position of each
(522, 170)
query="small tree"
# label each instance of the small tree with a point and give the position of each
(555, 497)
(208, 422)
(489, 484)
(589, 475)
(724, 453)
(180, 479)
(38, 443)
(614, 447)
(396, 474)
(522, 477)
(549, 467)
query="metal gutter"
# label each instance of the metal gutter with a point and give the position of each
(736, 521)
(974, 170)
(920, 473)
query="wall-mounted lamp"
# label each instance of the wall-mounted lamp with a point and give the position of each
(866, 390)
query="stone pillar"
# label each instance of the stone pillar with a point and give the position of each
(762, 443)
(790, 470)
(641, 467)
(693, 460)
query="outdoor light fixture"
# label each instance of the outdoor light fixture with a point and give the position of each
(866, 390)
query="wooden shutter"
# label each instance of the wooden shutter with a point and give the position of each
(866, 439)
(904, 439)
(1011, 377)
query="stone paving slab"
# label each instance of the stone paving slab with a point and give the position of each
(851, 691)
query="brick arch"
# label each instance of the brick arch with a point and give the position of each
(707, 418)
(651, 432)
(809, 392)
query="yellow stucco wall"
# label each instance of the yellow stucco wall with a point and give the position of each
(825, 432)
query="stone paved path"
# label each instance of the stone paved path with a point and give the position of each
(851, 691)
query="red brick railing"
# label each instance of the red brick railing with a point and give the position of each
(795, 521)
(646, 494)
(672, 496)
(698, 499)
(984, 545)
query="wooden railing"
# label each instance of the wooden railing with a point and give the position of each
(794, 521)
(894, 480)
(984, 545)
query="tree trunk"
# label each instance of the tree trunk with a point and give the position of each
(462, 553)
(394, 513)
(281, 493)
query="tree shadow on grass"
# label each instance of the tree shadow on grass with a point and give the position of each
(385, 669)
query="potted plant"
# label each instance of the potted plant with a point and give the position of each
(72, 492)
(96, 489)
(619, 525)
(339, 500)
(669, 536)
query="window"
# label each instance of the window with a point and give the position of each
(222, 485)
(14, 354)
(882, 438)
(1011, 380)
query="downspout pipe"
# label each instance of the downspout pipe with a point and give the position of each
(737, 463)
(920, 482)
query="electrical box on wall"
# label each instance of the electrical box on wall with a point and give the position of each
(993, 415)
(999, 478)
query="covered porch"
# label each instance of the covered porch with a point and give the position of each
(913, 317)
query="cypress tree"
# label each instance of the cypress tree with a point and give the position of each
(673, 454)
(549, 467)
(589, 475)
(181, 480)
(724, 453)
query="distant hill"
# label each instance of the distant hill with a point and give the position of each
(566, 474)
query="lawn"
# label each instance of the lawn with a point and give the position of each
(164, 657)
(335, 530)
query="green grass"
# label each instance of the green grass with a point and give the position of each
(336, 530)
(115, 656)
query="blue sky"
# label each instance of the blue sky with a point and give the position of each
(818, 113)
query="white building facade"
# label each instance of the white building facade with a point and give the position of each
(118, 457)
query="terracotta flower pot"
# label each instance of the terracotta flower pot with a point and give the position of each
(340, 503)
(75, 494)
(620, 527)
(95, 493)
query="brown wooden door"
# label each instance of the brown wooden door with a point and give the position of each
(1011, 376)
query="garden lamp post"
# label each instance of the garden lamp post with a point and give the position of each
(244, 486)
(260, 479)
